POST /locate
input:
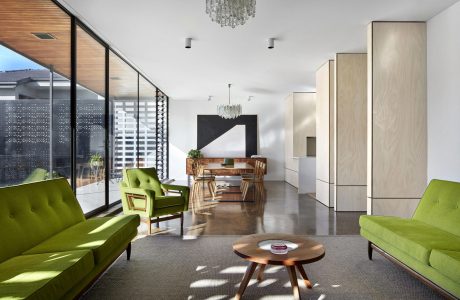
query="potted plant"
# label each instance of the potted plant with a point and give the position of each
(194, 153)
(96, 160)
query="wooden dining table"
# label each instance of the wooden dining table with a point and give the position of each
(237, 169)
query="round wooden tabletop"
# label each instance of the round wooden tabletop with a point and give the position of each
(307, 250)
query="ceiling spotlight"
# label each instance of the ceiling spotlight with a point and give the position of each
(271, 43)
(250, 98)
(188, 43)
(210, 98)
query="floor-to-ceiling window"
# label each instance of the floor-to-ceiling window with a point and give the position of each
(90, 121)
(123, 103)
(34, 92)
(147, 124)
(59, 80)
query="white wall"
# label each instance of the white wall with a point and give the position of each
(444, 95)
(183, 132)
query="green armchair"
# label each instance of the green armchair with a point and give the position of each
(143, 194)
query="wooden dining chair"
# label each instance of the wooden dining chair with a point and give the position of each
(199, 179)
(257, 178)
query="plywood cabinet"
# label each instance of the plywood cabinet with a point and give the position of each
(300, 129)
(397, 117)
(325, 134)
(350, 134)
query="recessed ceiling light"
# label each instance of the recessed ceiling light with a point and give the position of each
(188, 43)
(44, 36)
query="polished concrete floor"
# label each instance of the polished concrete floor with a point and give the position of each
(281, 209)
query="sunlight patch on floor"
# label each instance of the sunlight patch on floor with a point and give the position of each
(267, 282)
(206, 283)
(217, 297)
(276, 297)
(234, 270)
(273, 270)
(199, 268)
(251, 282)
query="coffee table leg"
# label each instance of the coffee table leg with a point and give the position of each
(294, 283)
(260, 276)
(304, 276)
(244, 283)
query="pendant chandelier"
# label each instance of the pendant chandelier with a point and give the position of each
(230, 12)
(229, 111)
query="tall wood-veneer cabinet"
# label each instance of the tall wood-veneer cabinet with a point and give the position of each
(300, 137)
(397, 117)
(350, 132)
(325, 134)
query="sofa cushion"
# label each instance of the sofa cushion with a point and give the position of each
(43, 276)
(440, 206)
(101, 235)
(168, 201)
(447, 263)
(33, 212)
(413, 237)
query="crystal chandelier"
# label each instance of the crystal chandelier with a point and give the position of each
(230, 12)
(229, 111)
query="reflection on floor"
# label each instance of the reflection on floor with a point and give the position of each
(280, 210)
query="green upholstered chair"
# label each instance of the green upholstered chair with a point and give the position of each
(143, 194)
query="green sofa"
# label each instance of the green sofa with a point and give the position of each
(48, 249)
(428, 244)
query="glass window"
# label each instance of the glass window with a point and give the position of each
(90, 122)
(34, 92)
(123, 109)
(35, 107)
(147, 123)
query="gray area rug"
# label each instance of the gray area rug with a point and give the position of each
(167, 267)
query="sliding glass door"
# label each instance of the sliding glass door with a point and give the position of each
(147, 124)
(71, 107)
(90, 122)
(123, 126)
(34, 92)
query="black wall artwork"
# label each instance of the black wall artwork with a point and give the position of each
(210, 127)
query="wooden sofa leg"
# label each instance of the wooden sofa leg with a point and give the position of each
(369, 250)
(128, 251)
(158, 222)
(149, 226)
(182, 223)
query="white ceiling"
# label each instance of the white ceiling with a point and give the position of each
(151, 33)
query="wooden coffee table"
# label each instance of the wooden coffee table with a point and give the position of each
(255, 248)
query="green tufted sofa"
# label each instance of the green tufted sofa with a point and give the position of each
(428, 244)
(48, 249)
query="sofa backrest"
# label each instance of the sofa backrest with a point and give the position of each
(440, 206)
(33, 212)
(144, 178)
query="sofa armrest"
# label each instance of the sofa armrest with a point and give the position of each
(129, 195)
(182, 189)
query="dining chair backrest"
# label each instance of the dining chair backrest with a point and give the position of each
(259, 170)
(197, 170)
